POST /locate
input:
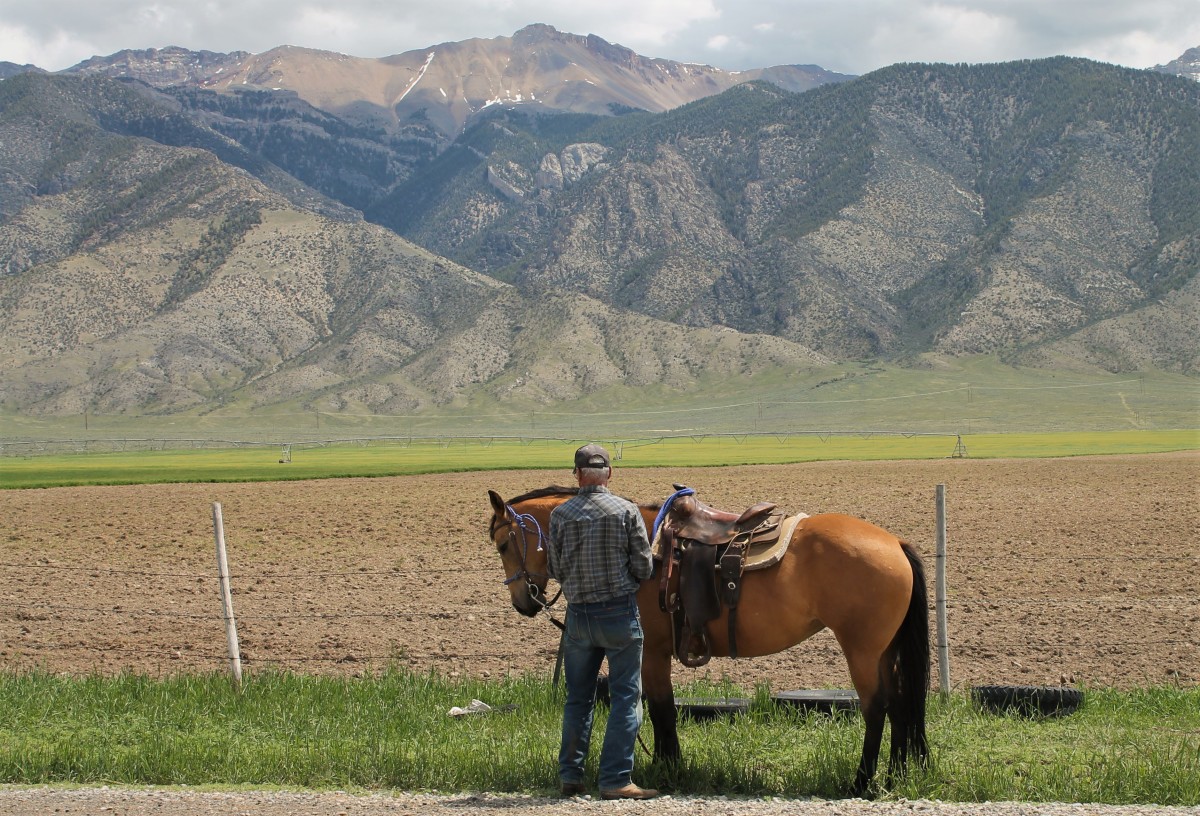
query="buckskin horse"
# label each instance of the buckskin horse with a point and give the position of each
(838, 572)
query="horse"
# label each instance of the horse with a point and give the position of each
(839, 572)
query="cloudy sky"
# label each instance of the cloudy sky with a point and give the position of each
(850, 36)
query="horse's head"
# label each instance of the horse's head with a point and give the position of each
(519, 530)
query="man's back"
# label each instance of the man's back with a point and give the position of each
(598, 546)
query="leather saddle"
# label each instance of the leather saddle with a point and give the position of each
(703, 552)
(694, 520)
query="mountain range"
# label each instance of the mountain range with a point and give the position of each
(433, 92)
(533, 218)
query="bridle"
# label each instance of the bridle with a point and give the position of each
(526, 524)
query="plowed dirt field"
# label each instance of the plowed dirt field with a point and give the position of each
(1081, 570)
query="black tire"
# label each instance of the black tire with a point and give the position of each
(824, 701)
(1029, 701)
(711, 708)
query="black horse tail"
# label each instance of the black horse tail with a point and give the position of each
(912, 672)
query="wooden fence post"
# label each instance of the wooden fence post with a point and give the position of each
(231, 637)
(943, 641)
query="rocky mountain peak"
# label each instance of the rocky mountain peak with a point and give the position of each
(539, 32)
(10, 69)
(162, 66)
(434, 92)
(1188, 65)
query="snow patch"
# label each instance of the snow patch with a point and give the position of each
(420, 74)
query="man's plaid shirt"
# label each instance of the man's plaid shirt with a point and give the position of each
(598, 546)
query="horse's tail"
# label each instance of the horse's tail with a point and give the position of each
(912, 662)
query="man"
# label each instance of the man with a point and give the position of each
(599, 553)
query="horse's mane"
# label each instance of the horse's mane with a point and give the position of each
(542, 492)
(559, 490)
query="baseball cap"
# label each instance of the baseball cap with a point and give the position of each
(591, 456)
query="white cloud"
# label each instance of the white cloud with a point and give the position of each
(649, 22)
(24, 47)
(1139, 49)
(338, 29)
(943, 33)
(852, 36)
(19, 46)
(152, 16)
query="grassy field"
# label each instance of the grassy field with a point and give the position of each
(393, 732)
(399, 457)
(969, 396)
(852, 411)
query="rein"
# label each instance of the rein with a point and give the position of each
(527, 524)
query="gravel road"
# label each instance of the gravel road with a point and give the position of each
(105, 801)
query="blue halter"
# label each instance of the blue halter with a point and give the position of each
(520, 519)
(666, 508)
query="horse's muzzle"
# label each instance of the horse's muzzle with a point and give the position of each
(529, 608)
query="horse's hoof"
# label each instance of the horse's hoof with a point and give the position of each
(862, 789)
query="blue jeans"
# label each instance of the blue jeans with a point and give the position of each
(613, 630)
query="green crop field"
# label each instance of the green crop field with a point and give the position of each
(390, 457)
(973, 406)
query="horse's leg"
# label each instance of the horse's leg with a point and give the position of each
(656, 672)
(898, 756)
(892, 685)
(660, 700)
(873, 700)
(901, 715)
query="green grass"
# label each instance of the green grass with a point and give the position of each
(855, 411)
(396, 458)
(391, 731)
(967, 395)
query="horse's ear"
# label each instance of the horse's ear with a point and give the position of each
(497, 503)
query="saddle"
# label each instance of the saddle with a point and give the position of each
(703, 553)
